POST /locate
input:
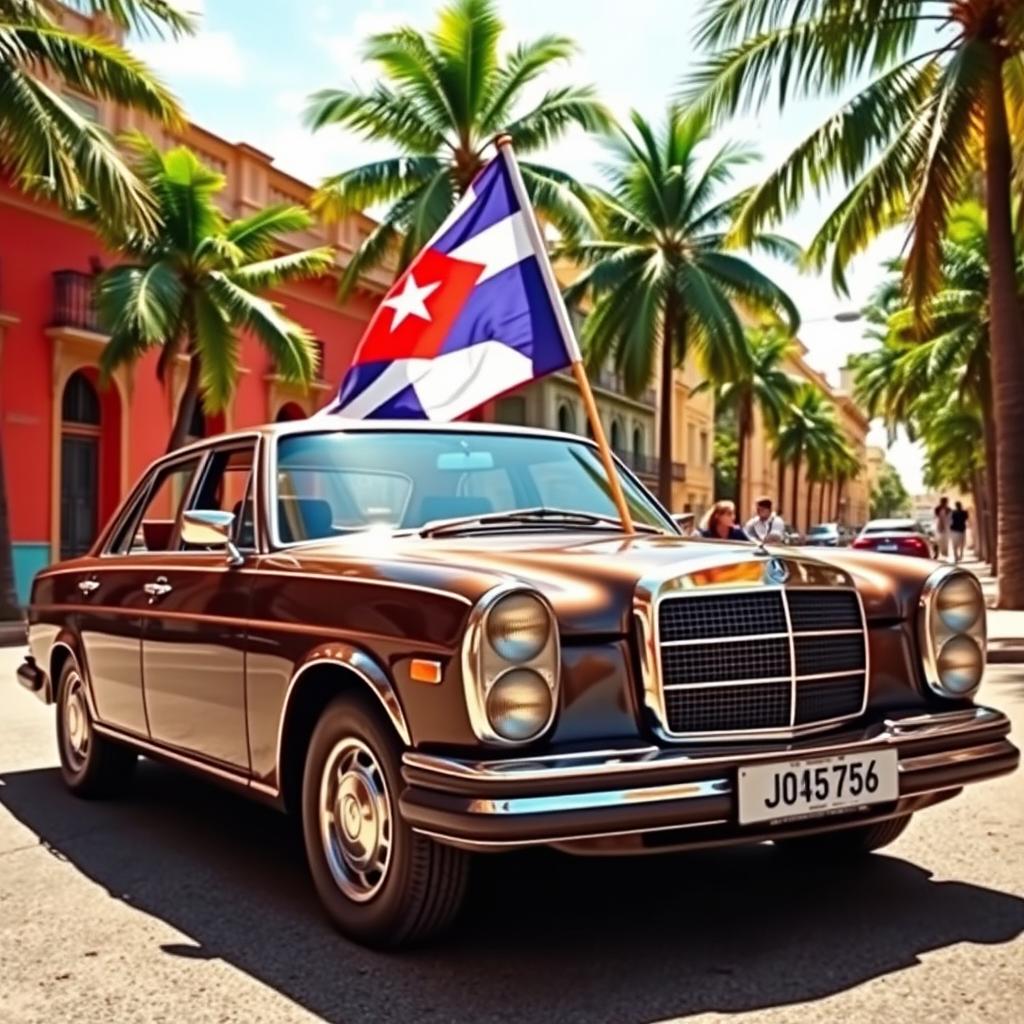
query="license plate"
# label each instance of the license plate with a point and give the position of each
(888, 547)
(817, 786)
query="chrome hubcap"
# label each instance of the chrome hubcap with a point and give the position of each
(76, 722)
(355, 819)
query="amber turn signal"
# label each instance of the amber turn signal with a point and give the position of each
(422, 670)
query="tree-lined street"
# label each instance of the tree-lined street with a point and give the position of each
(183, 902)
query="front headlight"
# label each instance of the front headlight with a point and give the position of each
(952, 623)
(511, 666)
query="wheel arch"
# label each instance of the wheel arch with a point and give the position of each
(62, 650)
(326, 673)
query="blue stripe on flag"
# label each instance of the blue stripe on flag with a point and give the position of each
(512, 307)
(494, 201)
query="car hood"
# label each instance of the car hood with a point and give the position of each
(589, 579)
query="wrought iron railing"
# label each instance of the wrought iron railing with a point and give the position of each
(647, 465)
(73, 304)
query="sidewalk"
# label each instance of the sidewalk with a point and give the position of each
(12, 634)
(1005, 628)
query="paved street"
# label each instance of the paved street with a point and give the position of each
(183, 903)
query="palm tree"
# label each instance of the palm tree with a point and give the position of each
(52, 150)
(806, 432)
(192, 288)
(905, 145)
(756, 383)
(659, 277)
(440, 100)
(50, 147)
(917, 374)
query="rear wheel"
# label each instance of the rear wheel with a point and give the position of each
(847, 843)
(90, 764)
(380, 882)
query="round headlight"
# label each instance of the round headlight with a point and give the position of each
(959, 604)
(518, 627)
(960, 665)
(519, 704)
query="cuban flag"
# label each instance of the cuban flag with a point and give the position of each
(477, 313)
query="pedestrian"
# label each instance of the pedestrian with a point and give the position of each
(720, 523)
(958, 530)
(765, 526)
(942, 514)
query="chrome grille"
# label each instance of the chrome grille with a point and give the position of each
(763, 660)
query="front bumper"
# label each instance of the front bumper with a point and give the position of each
(638, 798)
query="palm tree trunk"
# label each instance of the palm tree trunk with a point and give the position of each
(796, 489)
(780, 492)
(187, 405)
(667, 394)
(745, 430)
(810, 500)
(991, 492)
(8, 598)
(821, 500)
(980, 525)
(1007, 346)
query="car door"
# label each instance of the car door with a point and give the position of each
(194, 635)
(112, 599)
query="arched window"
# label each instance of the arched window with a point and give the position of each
(79, 465)
(290, 411)
(638, 440)
(80, 403)
(616, 437)
(566, 418)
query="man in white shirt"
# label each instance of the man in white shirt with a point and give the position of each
(765, 527)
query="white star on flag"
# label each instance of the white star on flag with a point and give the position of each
(411, 301)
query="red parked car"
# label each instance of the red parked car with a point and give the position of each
(896, 537)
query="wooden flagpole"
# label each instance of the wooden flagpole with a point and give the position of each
(504, 147)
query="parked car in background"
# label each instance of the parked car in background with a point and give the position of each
(431, 641)
(828, 535)
(896, 537)
(792, 535)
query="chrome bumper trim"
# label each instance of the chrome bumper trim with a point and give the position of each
(604, 798)
(589, 764)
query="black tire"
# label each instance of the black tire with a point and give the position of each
(847, 843)
(91, 765)
(380, 882)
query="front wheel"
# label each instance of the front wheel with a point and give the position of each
(847, 843)
(90, 764)
(381, 883)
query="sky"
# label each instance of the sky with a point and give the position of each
(248, 72)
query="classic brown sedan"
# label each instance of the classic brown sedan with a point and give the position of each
(432, 640)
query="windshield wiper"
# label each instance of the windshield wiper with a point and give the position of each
(529, 517)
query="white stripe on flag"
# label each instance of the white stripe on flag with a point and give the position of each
(449, 385)
(498, 247)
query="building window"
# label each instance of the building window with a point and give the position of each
(638, 440)
(691, 443)
(704, 448)
(511, 411)
(290, 411)
(79, 466)
(566, 418)
(616, 438)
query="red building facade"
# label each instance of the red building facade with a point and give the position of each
(73, 445)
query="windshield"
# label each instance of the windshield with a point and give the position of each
(333, 483)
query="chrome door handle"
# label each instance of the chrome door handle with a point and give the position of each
(88, 586)
(158, 588)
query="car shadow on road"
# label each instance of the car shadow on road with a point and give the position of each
(544, 936)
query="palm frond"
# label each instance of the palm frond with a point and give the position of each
(379, 114)
(558, 110)
(295, 266)
(522, 66)
(372, 184)
(465, 38)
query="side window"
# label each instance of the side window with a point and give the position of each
(152, 526)
(227, 486)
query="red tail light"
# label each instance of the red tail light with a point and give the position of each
(914, 546)
(861, 542)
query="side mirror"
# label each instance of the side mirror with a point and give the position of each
(211, 528)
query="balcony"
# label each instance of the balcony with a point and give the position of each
(73, 302)
(647, 465)
(609, 380)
